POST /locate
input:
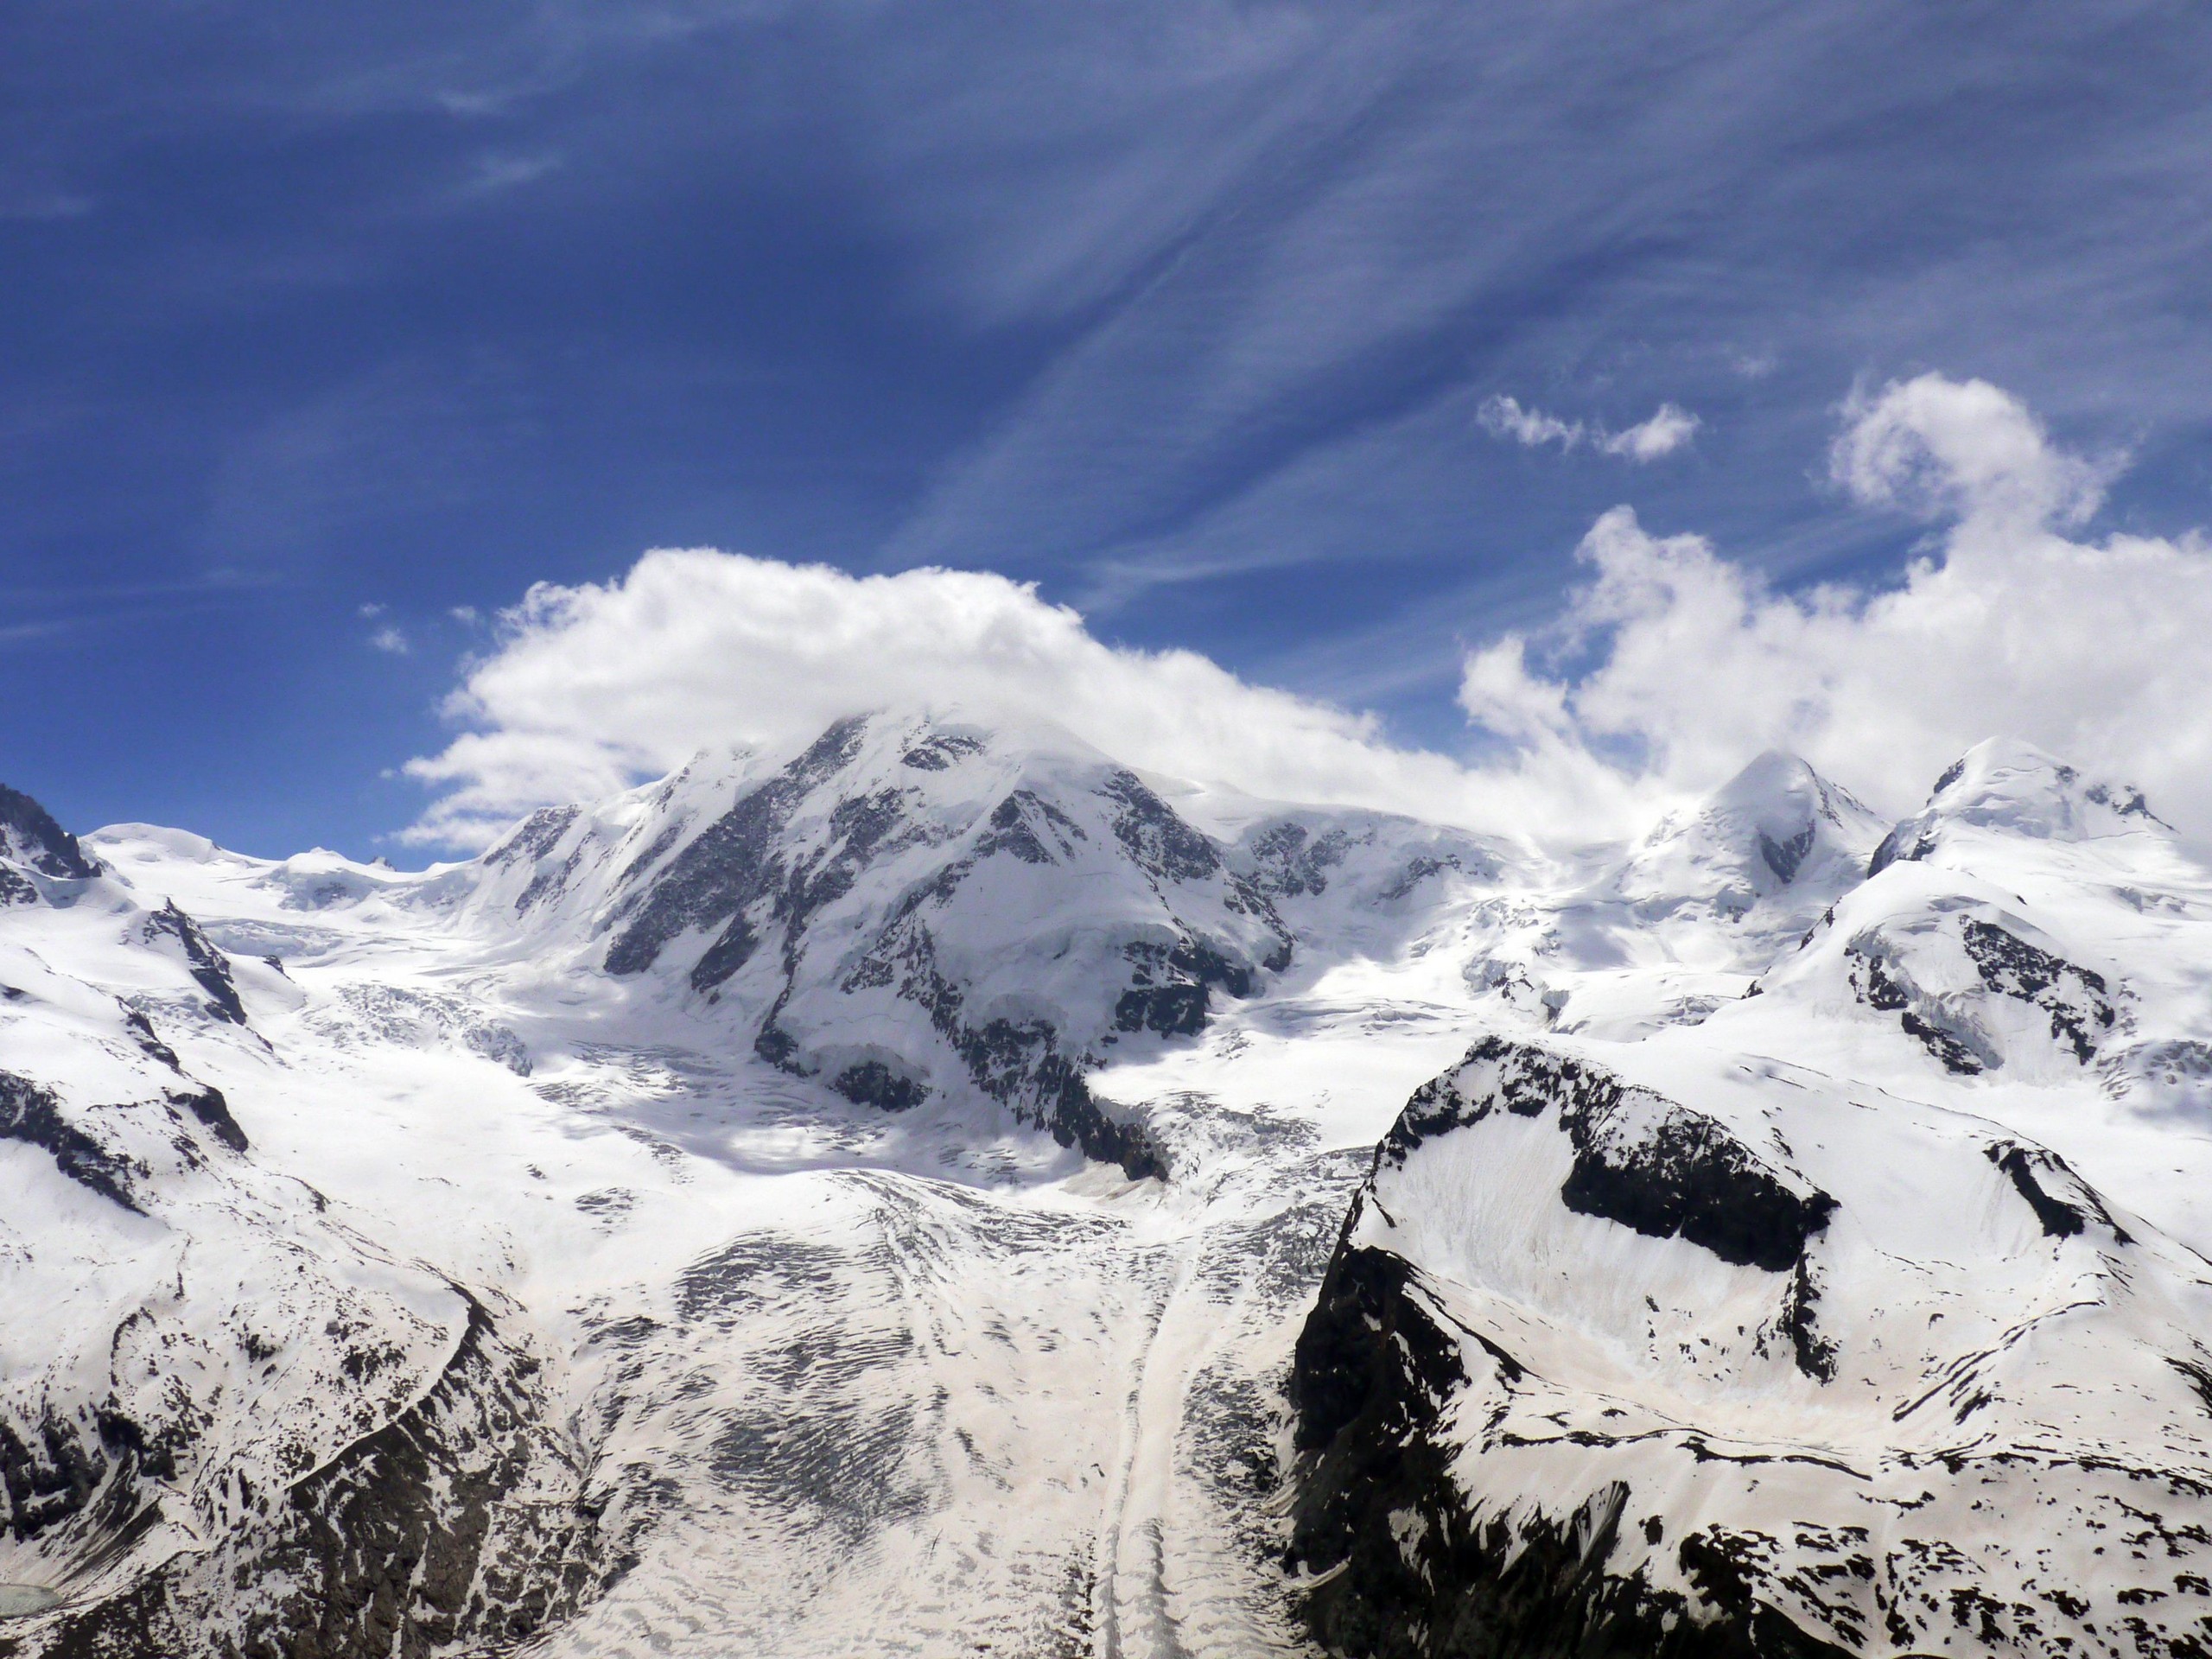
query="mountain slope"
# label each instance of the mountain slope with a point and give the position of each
(890, 1196)
(1799, 1330)
(207, 1371)
(1691, 1358)
(913, 909)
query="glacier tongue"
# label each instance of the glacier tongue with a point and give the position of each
(891, 1197)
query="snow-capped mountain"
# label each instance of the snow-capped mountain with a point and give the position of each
(1769, 843)
(1868, 1314)
(892, 1197)
(229, 1413)
(916, 909)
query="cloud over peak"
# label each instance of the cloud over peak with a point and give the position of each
(1677, 663)
(592, 686)
(1657, 677)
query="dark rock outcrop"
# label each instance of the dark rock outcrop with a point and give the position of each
(1640, 1160)
(210, 1108)
(29, 834)
(33, 1113)
(2075, 998)
(209, 968)
(726, 870)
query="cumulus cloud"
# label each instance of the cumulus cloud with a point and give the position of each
(1667, 430)
(592, 687)
(1943, 447)
(1663, 672)
(390, 639)
(1676, 665)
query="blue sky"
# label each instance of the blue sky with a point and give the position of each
(322, 321)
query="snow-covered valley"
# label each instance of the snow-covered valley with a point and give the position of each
(893, 1198)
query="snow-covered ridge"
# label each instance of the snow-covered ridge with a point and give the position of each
(2008, 785)
(1805, 1354)
(1832, 1322)
(874, 1197)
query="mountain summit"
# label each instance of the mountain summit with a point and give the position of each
(1777, 829)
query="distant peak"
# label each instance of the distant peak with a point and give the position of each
(2004, 780)
(1776, 824)
(1770, 769)
(2006, 783)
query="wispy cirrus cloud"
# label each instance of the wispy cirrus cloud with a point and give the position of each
(1190, 293)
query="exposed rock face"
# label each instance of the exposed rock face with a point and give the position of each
(1001, 913)
(33, 1116)
(1970, 1019)
(209, 968)
(1767, 1396)
(29, 836)
(1639, 1159)
(459, 1523)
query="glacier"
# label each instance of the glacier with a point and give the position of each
(941, 1190)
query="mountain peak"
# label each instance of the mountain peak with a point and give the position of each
(2006, 781)
(2008, 784)
(1777, 824)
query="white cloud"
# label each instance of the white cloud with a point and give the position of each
(1503, 417)
(1963, 449)
(390, 639)
(1687, 664)
(593, 687)
(1661, 675)
(494, 172)
(1667, 430)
